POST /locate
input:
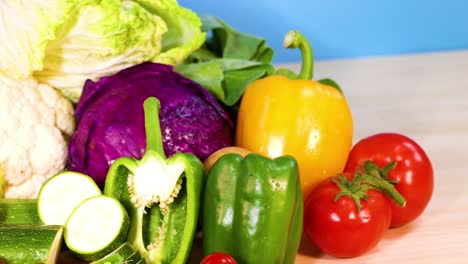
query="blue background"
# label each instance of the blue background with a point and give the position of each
(347, 28)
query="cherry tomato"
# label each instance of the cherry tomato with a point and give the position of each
(413, 171)
(218, 258)
(338, 228)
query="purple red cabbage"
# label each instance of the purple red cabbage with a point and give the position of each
(110, 118)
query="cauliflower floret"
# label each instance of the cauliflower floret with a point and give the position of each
(36, 122)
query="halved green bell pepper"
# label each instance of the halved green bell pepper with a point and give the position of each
(161, 195)
(253, 209)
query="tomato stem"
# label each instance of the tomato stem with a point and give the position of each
(294, 39)
(371, 168)
(371, 177)
(354, 188)
(377, 177)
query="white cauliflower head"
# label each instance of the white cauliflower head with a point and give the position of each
(36, 122)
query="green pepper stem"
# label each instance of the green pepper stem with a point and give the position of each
(294, 39)
(152, 126)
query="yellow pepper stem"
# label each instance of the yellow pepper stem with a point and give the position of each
(294, 39)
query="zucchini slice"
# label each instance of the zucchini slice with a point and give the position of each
(30, 243)
(133, 258)
(60, 194)
(118, 256)
(96, 227)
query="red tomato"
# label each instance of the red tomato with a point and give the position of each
(218, 258)
(338, 228)
(413, 171)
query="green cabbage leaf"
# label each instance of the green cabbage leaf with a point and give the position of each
(65, 42)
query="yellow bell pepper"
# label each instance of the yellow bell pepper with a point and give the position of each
(306, 119)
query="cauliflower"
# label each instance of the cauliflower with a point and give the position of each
(36, 122)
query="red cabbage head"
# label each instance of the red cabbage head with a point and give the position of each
(110, 118)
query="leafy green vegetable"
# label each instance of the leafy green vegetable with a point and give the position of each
(229, 43)
(183, 34)
(65, 42)
(225, 78)
(208, 73)
(228, 61)
(27, 27)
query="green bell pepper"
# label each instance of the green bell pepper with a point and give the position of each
(161, 195)
(253, 209)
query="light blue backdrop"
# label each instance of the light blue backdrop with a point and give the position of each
(348, 28)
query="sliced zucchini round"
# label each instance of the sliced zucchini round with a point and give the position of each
(60, 194)
(118, 256)
(96, 227)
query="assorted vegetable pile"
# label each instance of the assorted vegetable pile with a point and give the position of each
(133, 129)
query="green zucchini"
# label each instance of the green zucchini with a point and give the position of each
(60, 194)
(19, 212)
(21, 244)
(118, 256)
(96, 227)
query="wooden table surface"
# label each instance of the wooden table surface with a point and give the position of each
(425, 97)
